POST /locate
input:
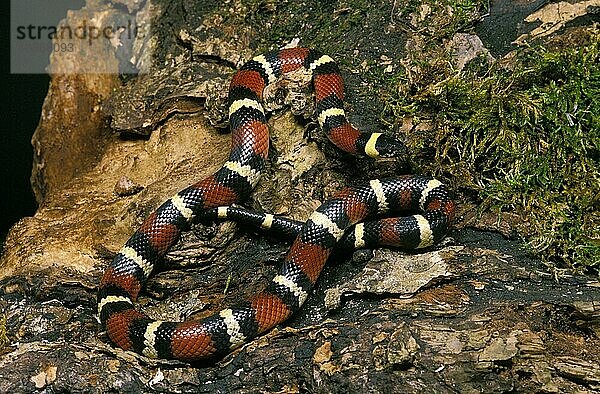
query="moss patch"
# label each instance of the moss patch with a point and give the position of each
(523, 136)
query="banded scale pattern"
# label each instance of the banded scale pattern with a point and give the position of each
(407, 232)
(233, 182)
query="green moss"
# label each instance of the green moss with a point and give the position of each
(338, 26)
(524, 139)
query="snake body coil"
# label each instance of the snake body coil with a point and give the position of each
(285, 294)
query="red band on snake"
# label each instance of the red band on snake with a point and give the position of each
(285, 294)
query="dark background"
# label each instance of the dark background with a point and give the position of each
(22, 99)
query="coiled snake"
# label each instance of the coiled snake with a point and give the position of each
(326, 226)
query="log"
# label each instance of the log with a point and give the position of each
(476, 313)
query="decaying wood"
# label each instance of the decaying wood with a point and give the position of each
(474, 314)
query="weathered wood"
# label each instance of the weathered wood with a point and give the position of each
(475, 314)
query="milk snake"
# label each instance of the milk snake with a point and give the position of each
(285, 294)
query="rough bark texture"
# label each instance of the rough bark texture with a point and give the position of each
(475, 314)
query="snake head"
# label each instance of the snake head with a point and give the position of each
(381, 145)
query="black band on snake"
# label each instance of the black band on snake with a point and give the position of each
(233, 183)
